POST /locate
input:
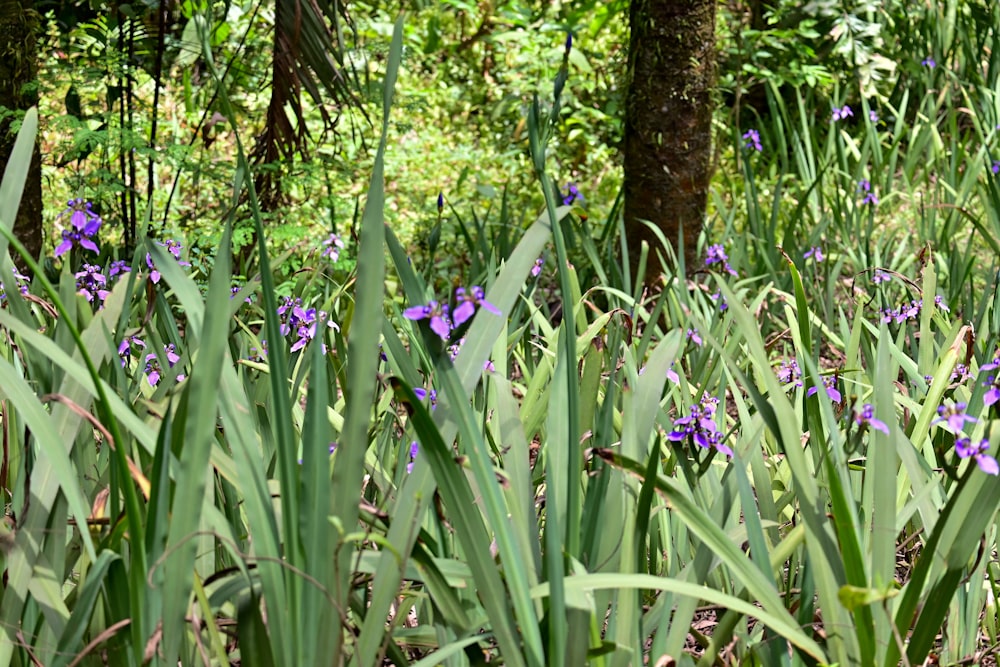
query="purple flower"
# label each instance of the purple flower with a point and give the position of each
(954, 416)
(91, 283)
(960, 374)
(752, 138)
(866, 417)
(440, 202)
(125, 347)
(174, 248)
(332, 247)
(672, 374)
(723, 305)
(717, 254)
(259, 355)
(873, 116)
(537, 268)
(830, 385)
(22, 283)
(700, 427)
(436, 313)
(995, 167)
(789, 372)
(571, 194)
(84, 224)
(693, 336)
(467, 301)
(964, 448)
(414, 450)
(993, 392)
(880, 276)
(816, 253)
(286, 314)
(303, 322)
(118, 267)
(153, 370)
(928, 62)
(422, 393)
(841, 113)
(236, 289)
(865, 188)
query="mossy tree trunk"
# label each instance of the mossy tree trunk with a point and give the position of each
(19, 92)
(668, 124)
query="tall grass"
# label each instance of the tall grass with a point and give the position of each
(533, 486)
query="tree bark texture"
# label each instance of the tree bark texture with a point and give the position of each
(19, 92)
(668, 124)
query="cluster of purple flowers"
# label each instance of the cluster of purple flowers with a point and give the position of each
(153, 370)
(332, 247)
(815, 253)
(841, 113)
(699, 426)
(909, 310)
(22, 284)
(879, 276)
(174, 248)
(443, 320)
(716, 254)
(752, 139)
(993, 392)
(952, 416)
(83, 226)
(868, 196)
(133, 345)
(92, 283)
(571, 194)
(789, 373)
(302, 322)
(929, 62)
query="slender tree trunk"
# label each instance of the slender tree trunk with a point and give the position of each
(668, 124)
(19, 92)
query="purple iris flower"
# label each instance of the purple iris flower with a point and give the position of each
(153, 370)
(332, 247)
(699, 425)
(954, 416)
(841, 113)
(414, 450)
(866, 417)
(436, 313)
(816, 253)
(965, 449)
(91, 283)
(84, 224)
(865, 187)
(830, 386)
(752, 138)
(125, 347)
(174, 248)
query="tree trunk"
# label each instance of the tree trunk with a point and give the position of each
(18, 93)
(668, 125)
